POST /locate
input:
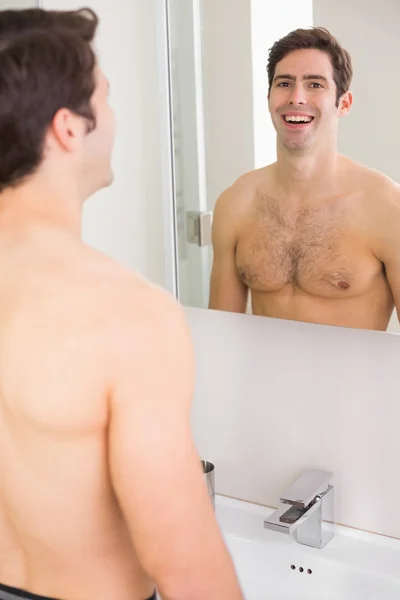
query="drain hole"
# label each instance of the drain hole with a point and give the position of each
(309, 571)
(292, 567)
(301, 569)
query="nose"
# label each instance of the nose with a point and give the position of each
(297, 95)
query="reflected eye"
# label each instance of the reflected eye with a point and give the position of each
(315, 84)
(283, 84)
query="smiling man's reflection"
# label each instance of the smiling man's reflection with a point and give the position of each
(315, 236)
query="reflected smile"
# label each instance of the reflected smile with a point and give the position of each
(297, 121)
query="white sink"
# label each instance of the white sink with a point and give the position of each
(353, 566)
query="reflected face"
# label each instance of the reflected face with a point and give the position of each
(302, 99)
(98, 144)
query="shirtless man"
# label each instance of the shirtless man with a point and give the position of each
(101, 490)
(315, 236)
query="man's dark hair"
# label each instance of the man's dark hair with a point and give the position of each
(46, 63)
(317, 38)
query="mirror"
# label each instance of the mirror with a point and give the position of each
(286, 196)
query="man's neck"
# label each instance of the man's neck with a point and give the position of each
(307, 175)
(42, 202)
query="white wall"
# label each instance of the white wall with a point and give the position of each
(368, 134)
(126, 220)
(16, 4)
(228, 93)
(276, 397)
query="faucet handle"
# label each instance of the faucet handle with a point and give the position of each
(309, 485)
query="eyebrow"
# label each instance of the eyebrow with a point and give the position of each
(305, 77)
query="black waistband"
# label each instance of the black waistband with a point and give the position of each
(12, 592)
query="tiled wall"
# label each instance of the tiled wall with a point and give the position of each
(276, 397)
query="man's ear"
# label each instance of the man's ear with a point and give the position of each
(345, 104)
(68, 129)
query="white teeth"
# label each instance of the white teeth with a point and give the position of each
(298, 119)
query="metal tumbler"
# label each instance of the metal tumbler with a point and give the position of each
(209, 476)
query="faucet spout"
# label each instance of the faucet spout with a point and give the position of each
(311, 524)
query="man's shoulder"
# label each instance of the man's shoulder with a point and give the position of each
(240, 196)
(372, 181)
(121, 296)
(379, 199)
(381, 191)
(253, 180)
(143, 323)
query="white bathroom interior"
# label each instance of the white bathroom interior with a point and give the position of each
(273, 398)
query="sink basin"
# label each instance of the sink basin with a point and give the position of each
(271, 566)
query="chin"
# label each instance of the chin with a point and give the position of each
(107, 179)
(110, 179)
(292, 144)
(296, 146)
(100, 185)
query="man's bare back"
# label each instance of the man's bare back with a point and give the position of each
(318, 260)
(79, 447)
(61, 311)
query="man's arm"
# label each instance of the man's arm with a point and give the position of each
(388, 239)
(155, 469)
(392, 268)
(227, 290)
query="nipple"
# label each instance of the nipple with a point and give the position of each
(343, 285)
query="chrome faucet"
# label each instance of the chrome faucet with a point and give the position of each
(311, 516)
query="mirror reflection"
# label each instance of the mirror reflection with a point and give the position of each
(285, 169)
